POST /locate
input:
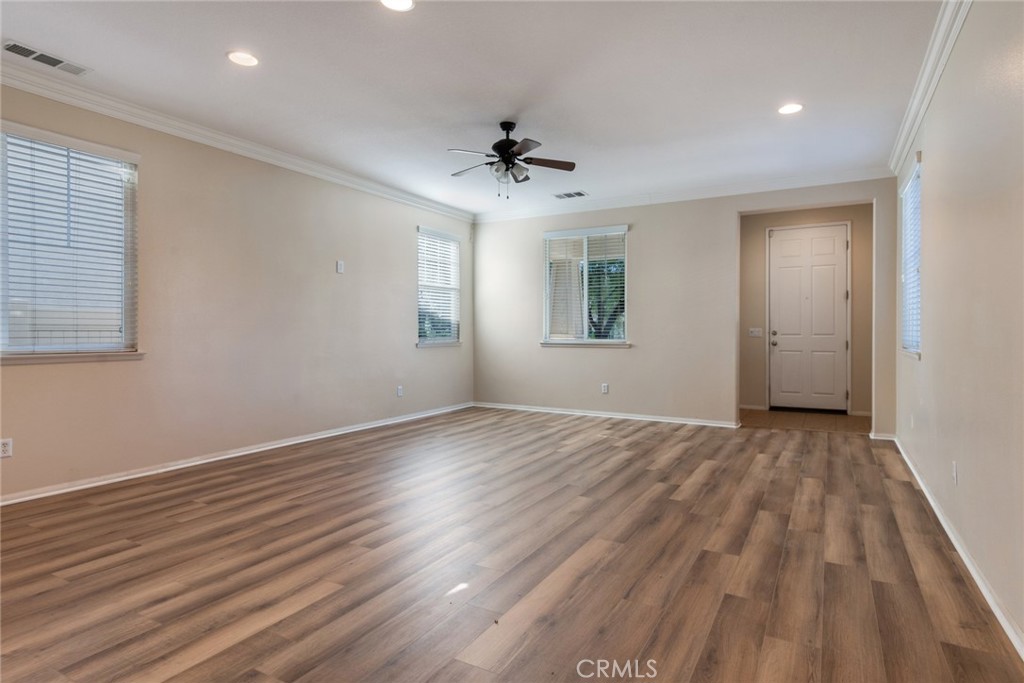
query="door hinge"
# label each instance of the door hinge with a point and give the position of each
(847, 344)
(847, 395)
(847, 245)
(770, 233)
(847, 295)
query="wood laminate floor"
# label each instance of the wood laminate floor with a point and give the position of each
(810, 420)
(489, 545)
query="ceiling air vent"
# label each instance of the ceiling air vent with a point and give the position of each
(43, 58)
(19, 50)
(571, 195)
(72, 69)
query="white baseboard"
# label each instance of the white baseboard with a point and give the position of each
(222, 455)
(743, 407)
(47, 491)
(1013, 631)
(884, 437)
(598, 413)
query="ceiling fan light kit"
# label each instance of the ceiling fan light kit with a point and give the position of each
(500, 172)
(519, 173)
(508, 160)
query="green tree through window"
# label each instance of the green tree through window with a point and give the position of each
(585, 288)
(606, 285)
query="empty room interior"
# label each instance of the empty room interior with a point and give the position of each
(512, 341)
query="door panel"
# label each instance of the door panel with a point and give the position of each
(790, 296)
(807, 317)
(823, 373)
(823, 297)
(790, 380)
(823, 246)
(790, 247)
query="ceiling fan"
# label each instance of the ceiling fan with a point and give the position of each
(509, 160)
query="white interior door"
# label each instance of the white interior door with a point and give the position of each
(807, 318)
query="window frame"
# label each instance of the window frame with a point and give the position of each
(906, 303)
(129, 279)
(585, 234)
(456, 340)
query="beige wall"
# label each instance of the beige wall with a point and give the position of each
(250, 335)
(964, 399)
(753, 387)
(227, 243)
(682, 305)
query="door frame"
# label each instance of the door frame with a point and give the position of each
(768, 299)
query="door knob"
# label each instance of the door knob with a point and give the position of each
(774, 332)
(775, 342)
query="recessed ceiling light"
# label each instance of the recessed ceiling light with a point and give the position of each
(398, 5)
(790, 108)
(243, 58)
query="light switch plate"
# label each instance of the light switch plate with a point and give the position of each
(755, 332)
(341, 266)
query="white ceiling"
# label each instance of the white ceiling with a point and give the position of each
(653, 100)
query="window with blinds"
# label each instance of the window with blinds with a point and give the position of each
(67, 247)
(585, 285)
(910, 291)
(438, 288)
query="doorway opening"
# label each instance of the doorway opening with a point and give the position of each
(814, 370)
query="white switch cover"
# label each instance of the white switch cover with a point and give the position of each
(341, 266)
(755, 332)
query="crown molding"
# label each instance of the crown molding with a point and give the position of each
(690, 194)
(948, 25)
(75, 95)
(952, 15)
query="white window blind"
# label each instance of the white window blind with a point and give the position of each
(438, 288)
(68, 249)
(585, 287)
(910, 292)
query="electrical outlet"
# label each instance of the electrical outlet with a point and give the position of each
(6, 448)
(604, 388)
(956, 477)
(401, 392)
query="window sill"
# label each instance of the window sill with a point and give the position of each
(427, 344)
(916, 355)
(83, 357)
(587, 344)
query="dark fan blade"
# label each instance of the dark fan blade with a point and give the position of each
(525, 146)
(465, 170)
(551, 163)
(469, 151)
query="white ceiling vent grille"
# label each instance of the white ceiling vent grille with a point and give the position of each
(571, 195)
(43, 58)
